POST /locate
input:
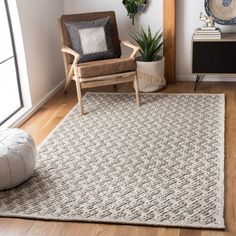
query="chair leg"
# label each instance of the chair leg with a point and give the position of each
(68, 81)
(69, 77)
(136, 87)
(115, 87)
(66, 85)
(79, 94)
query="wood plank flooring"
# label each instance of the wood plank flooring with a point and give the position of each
(40, 125)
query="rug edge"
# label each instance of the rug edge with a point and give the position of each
(117, 222)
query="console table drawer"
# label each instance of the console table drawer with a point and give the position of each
(214, 57)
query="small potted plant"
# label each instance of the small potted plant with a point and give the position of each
(133, 7)
(150, 65)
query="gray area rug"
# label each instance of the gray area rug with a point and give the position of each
(159, 164)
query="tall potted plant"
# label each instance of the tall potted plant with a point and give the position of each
(150, 65)
(133, 7)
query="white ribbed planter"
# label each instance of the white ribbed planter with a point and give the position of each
(151, 75)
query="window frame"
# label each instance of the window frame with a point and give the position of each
(14, 57)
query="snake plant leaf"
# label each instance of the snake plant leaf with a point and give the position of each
(150, 44)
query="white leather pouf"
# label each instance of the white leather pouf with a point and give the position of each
(17, 157)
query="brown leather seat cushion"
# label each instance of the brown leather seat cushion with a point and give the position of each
(105, 67)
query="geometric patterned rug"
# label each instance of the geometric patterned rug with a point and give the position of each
(159, 164)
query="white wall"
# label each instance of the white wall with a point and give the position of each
(152, 15)
(38, 20)
(188, 12)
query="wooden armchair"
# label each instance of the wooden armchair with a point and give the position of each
(96, 73)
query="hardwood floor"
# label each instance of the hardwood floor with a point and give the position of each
(39, 126)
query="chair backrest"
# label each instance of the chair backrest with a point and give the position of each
(65, 38)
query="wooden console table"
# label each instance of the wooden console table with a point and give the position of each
(214, 56)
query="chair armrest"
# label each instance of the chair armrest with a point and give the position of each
(71, 52)
(76, 56)
(130, 45)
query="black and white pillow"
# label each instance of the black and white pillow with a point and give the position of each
(92, 39)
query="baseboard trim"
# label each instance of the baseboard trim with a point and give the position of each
(208, 78)
(32, 110)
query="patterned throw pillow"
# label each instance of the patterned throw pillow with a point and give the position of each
(92, 39)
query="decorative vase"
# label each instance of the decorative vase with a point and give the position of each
(151, 75)
(141, 8)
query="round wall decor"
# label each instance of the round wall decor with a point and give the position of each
(223, 11)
